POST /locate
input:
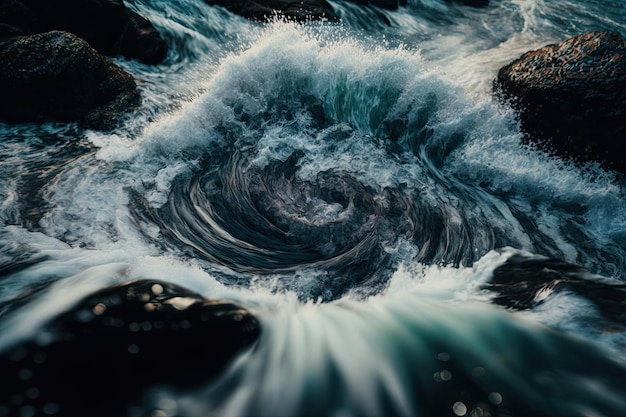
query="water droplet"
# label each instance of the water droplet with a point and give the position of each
(146, 326)
(495, 398)
(149, 307)
(132, 349)
(459, 408)
(99, 309)
(445, 375)
(443, 356)
(84, 316)
(157, 289)
(479, 371)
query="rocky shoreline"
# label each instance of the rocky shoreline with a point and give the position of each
(54, 66)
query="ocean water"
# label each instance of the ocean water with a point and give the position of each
(354, 185)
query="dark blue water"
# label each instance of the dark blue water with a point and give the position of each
(354, 186)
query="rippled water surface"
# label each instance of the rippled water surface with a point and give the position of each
(354, 185)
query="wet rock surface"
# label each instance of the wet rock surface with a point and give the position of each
(107, 25)
(102, 354)
(58, 76)
(571, 97)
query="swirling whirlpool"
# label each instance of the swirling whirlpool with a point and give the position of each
(268, 220)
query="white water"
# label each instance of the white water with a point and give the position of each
(228, 85)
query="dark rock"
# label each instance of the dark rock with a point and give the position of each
(524, 282)
(100, 356)
(266, 10)
(107, 25)
(58, 76)
(141, 40)
(571, 97)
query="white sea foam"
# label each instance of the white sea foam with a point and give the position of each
(337, 95)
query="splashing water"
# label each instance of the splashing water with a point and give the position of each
(353, 186)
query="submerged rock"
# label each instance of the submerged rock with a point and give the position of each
(100, 356)
(58, 76)
(571, 95)
(524, 282)
(107, 25)
(267, 10)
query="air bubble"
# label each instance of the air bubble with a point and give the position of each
(459, 408)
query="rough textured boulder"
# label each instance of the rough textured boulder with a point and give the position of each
(266, 10)
(100, 356)
(58, 76)
(572, 96)
(108, 25)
